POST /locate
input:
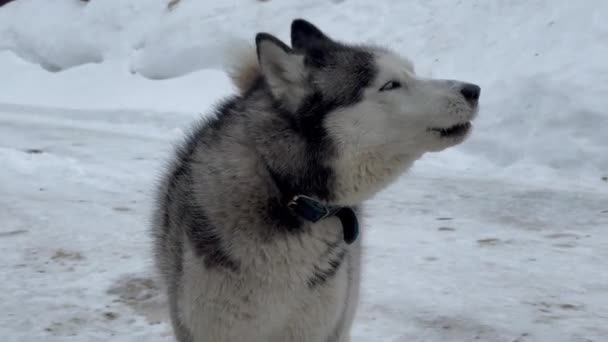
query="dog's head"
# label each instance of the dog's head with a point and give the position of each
(367, 100)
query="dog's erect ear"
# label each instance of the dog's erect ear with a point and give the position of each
(283, 69)
(305, 35)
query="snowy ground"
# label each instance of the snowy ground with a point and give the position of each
(503, 239)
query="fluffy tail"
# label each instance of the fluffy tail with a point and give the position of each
(241, 64)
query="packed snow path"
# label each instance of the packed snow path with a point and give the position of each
(447, 258)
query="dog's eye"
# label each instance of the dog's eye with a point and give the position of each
(390, 85)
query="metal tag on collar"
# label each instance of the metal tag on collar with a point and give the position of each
(313, 211)
(308, 208)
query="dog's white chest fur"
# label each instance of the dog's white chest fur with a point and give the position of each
(277, 305)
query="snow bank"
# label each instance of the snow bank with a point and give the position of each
(540, 65)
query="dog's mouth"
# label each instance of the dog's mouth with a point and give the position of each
(457, 130)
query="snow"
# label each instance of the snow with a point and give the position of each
(503, 238)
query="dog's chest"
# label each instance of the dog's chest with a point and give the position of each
(315, 300)
(302, 281)
(310, 280)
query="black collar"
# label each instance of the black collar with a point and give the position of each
(313, 210)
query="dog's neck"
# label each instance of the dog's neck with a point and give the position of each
(359, 179)
(343, 182)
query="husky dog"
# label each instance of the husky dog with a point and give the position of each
(255, 227)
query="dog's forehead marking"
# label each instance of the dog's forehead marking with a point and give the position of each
(346, 71)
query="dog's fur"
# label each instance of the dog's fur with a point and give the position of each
(320, 119)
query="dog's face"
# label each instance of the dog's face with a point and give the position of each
(373, 105)
(402, 112)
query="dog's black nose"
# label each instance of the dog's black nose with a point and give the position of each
(470, 92)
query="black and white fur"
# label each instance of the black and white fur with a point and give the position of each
(330, 120)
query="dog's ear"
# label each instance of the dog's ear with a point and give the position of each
(283, 69)
(305, 35)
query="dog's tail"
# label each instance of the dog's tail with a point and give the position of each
(241, 64)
